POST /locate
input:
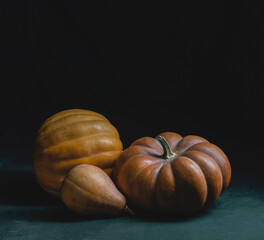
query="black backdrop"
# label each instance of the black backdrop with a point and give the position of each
(193, 67)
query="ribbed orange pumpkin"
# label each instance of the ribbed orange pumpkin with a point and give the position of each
(172, 174)
(70, 138)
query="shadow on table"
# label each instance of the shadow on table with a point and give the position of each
(149, 217)
(20, 191)
(22, 196)
(20, 188)
(62, 214)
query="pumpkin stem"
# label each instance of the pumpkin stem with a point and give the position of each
(166, 147)
(128, 210)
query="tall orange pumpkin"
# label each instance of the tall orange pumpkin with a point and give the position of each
(172, 174)
(70, 138)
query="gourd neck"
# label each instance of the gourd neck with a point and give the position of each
(129, 211)
(168, 153)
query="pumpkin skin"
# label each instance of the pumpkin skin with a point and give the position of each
(70, 138)
(183, 177)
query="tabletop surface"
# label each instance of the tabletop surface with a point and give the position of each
(27, 212)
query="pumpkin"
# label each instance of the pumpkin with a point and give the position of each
(172, 174)
(88, 190)
(70, 138)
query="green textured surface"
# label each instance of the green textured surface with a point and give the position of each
(26, 212)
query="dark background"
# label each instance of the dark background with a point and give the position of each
(192, 67)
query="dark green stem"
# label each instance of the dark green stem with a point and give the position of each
(166, 147)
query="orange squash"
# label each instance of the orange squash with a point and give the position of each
(88, 190)
(70, 138)
(172, 174)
